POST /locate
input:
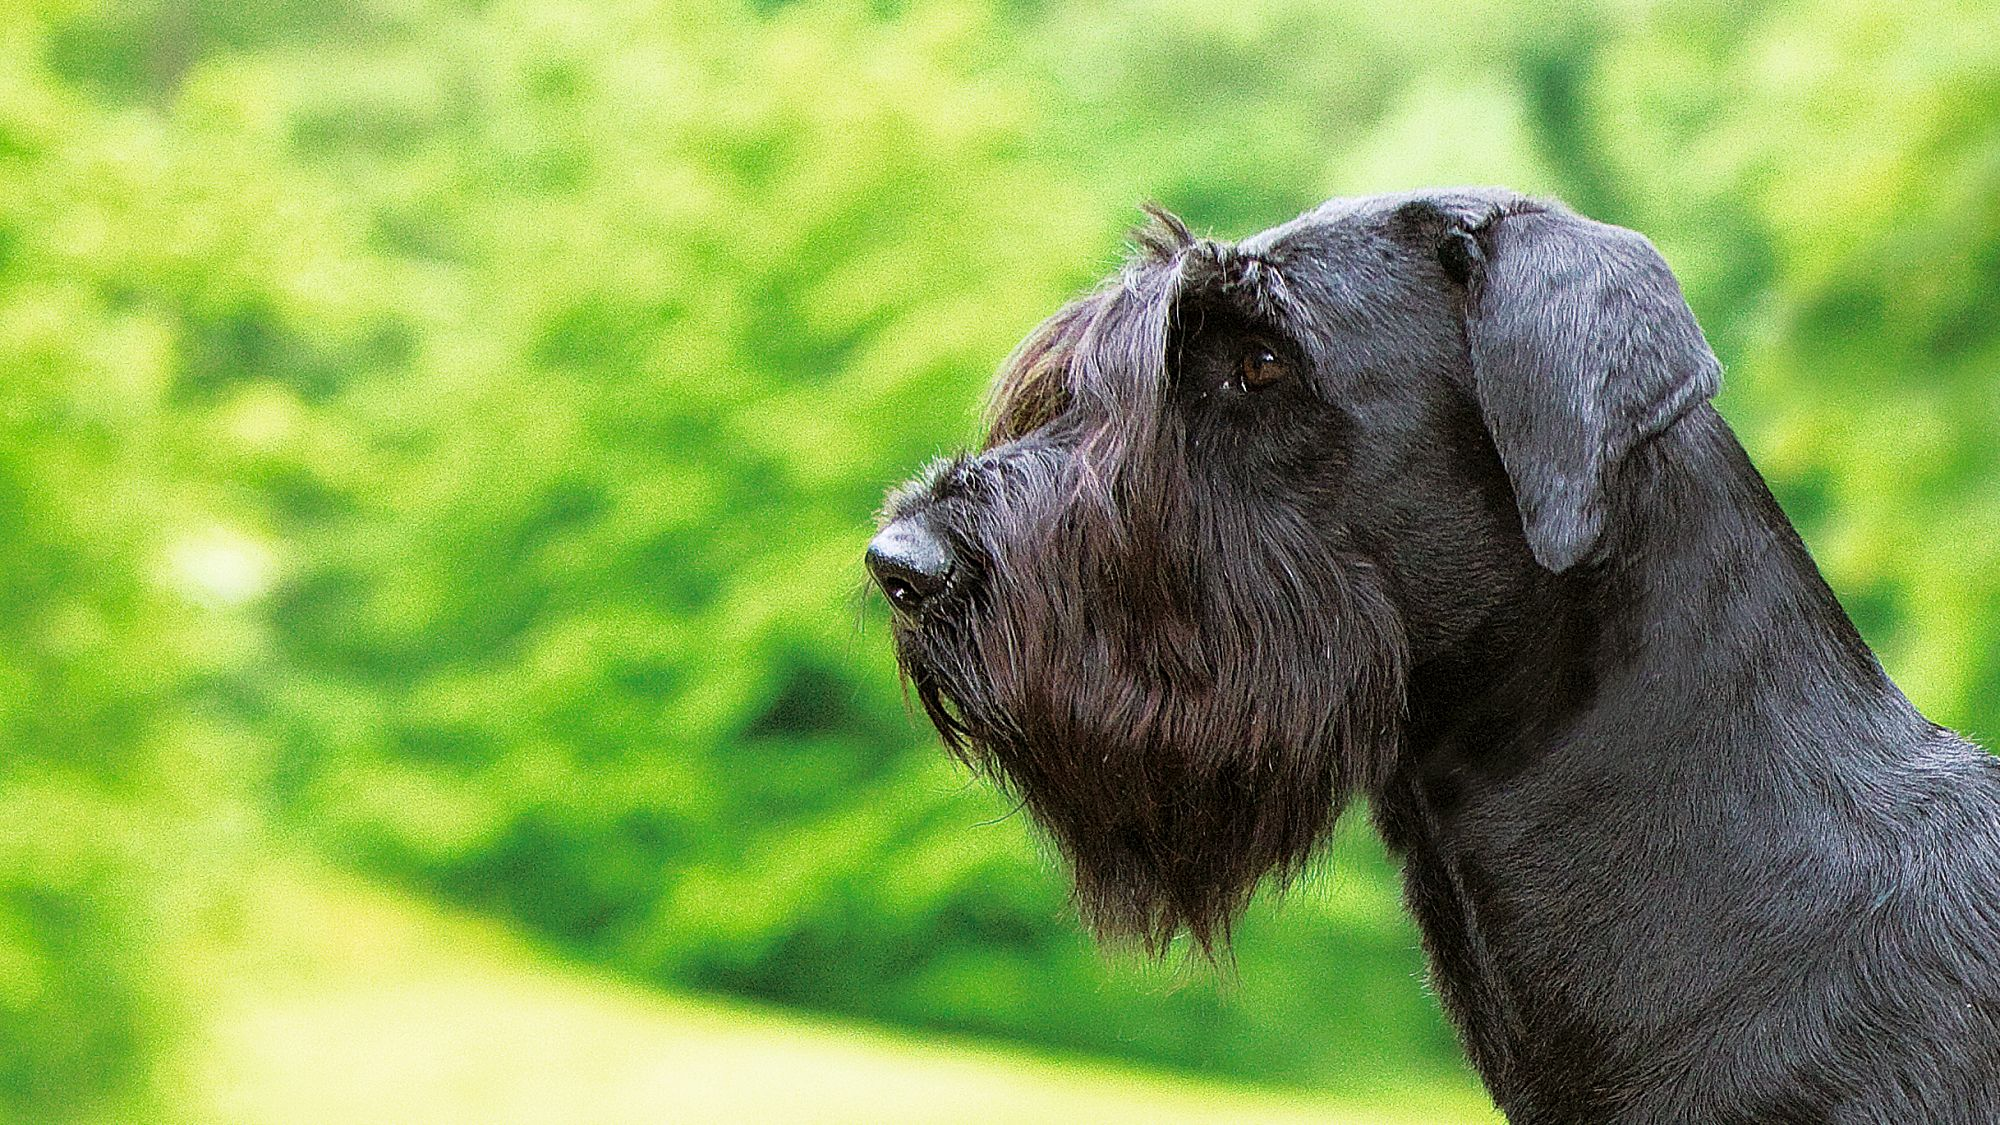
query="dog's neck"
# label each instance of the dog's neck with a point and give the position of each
(1703, 582)
(1627, 714)
(1721, 584)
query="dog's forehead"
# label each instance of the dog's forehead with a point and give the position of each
(1333, 215)
(1366, 215)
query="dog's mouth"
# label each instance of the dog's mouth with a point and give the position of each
(939, 668)
(946, 715)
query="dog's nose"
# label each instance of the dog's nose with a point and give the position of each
(909, 563)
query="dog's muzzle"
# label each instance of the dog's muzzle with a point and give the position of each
(911, 564)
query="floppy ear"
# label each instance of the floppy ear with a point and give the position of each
(1582, 349)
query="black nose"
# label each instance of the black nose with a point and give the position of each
(909, 563)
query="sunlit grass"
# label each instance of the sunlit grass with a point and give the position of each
(343, 1003)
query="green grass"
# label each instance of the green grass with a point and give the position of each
(344, 1004)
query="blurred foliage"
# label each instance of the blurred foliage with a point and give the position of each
(453, 429)
(117, 818)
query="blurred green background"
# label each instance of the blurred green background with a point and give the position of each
(437, 442)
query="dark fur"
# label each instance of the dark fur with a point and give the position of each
(1678, 848)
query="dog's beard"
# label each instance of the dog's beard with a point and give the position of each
(1182, 724)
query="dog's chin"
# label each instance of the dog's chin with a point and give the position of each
(1161, 839)
(1170, 790)
(1155, 852)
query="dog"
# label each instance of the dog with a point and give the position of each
(1421, 499)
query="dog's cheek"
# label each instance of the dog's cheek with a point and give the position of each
(1293, 445)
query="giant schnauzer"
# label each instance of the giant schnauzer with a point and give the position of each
(1421, 498)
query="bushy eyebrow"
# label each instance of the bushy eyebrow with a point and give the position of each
(1032, 387)
(1109, 348)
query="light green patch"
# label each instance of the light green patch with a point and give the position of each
(345, 1004)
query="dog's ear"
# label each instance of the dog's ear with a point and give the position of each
(1582, 349)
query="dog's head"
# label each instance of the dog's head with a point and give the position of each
(1226, 499)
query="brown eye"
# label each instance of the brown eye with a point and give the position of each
(1260, 367)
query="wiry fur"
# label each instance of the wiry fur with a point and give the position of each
(1145, 658)
(1480, 551)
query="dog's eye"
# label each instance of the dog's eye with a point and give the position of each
(1260, 367)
